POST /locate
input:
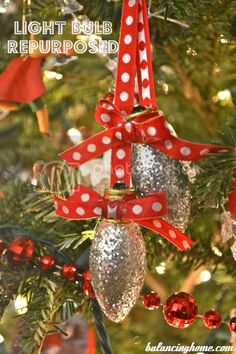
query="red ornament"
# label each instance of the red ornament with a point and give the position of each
(151, 301)
(87, 286)
(2, 247)
(232, 324)
(69, 271)
(20, 250)
(47, 263)
(180, 310)
(212, 319)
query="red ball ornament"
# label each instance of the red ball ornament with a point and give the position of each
(47, 263)
(69, 271)
(87, 286)
(151, 301)
(20, 250)
(180, 310)
(232, 324)
(2, 247)
(212, 319)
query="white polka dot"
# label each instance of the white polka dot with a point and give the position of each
(129, 20)
(65, 210)
(120, 154)
(56, 205)
(168, 144)
(204, 152)
(85, 197)
(137, 209)
(151, 131)
(105, 118)
(120, 172)
(172, 234)
(118, 135)
(128, 39)
(157, 224)
(185, 244)
(124, 96)
(106, 140)
(97, 211)
(126, 58)
(91, 148)
(80, 211)
(156, 206)
(125, 77)
(76, 156)
(131, 3)
(185, 151)
(128, 127)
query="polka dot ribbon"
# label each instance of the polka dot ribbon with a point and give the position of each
(148, 128)
(85, 203)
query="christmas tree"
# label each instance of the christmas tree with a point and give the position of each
(47, 298)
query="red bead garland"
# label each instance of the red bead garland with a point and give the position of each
(232, 324)
(47, 263)
(212, 319)
(20, 250)
(180, 310)
(69, 271)
(151, 301)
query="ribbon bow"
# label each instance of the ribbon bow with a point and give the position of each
(147, 211)
(147, 127)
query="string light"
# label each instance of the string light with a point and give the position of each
(205, 276)
(161, 268)
(1, 339)
(21, 304)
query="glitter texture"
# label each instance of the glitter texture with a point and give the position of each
(227, 226)
(117, 266)
(153, 171)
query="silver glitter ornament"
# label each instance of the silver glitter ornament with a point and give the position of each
(228, 226)
(153, 171)
(117, 266)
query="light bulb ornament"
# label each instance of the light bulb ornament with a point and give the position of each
(150, 127)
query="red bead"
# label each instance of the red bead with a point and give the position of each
(20, 250)
(212, 319)
(47, 263)
(69, 271)
(87, 286)
(151, 301)
(2, 246)
(180, 310)
(232, 324)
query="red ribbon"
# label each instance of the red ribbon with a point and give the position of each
(85, 203)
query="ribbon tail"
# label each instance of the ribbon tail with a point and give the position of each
(173, 235)
(91, 148)
(184, 150)
(120, 164)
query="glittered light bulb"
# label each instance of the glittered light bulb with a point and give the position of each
(117, 266)
(153, 171)
(180, 310)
